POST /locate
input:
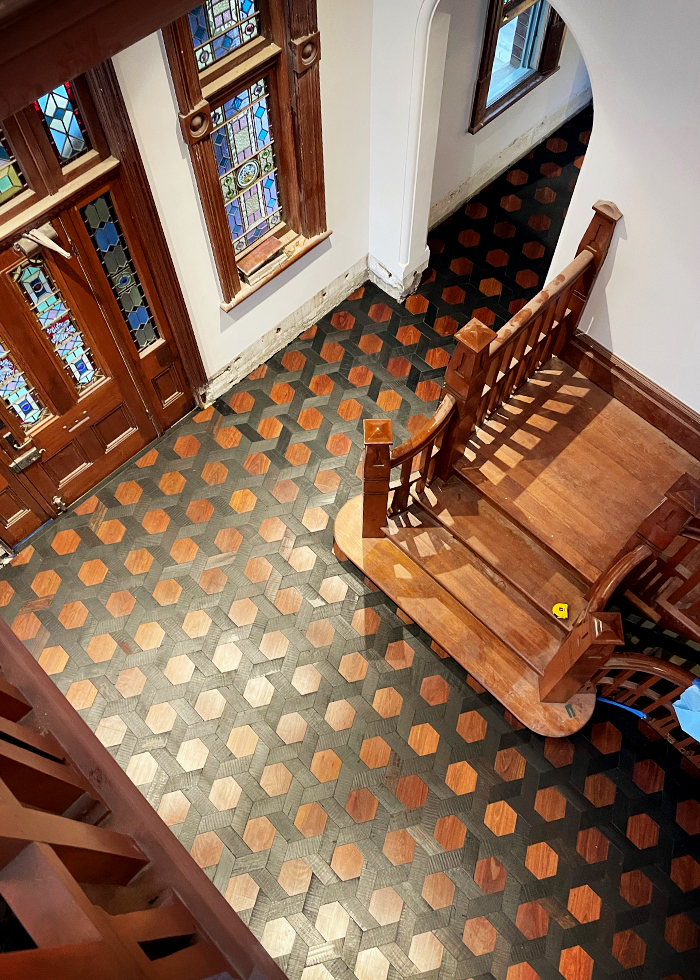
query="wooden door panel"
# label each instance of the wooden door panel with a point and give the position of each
(114, 427)
(20, 513)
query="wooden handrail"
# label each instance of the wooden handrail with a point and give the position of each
(426, 434)
(601, 593)
(542, 301)
(652, 665)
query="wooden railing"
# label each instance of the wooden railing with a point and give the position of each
(664, 580)
(650, 685)
(96, 884)
(484, 371)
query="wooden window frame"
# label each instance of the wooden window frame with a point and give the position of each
(287, 52)
(555, 30)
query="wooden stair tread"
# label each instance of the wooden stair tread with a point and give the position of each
(572, 466)
(517, 556)
(456, 630)
(473, 583)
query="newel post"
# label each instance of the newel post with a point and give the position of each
(464, 380)
(596, 240)
(586, 649)
(376, 476)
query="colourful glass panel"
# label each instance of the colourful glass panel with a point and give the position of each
(62, 121)
(243, 148)
(107, 237)
(17, 393)
(56, 320)
(218, 27)
(11, 177)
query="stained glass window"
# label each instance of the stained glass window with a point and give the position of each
(56, 320)
(17, 393)
(62, 120)
(242, 138)
(220, 26)
(11, 177)
(103, 225)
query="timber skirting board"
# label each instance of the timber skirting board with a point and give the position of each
(656, 406)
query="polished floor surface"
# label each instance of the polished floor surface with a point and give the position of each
(365, 810)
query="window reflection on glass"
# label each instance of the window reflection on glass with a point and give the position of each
(519, 47)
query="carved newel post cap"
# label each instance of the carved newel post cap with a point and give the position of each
(609, 209)
(378, 432)
(475, 335)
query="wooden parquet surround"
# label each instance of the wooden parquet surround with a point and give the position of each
(369, 813)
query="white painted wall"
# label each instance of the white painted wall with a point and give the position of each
(466, 162)
(643, 155)
(345, 88)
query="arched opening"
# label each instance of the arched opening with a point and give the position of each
(499, 195)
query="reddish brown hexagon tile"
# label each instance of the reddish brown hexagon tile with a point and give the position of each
(365, 621)
(450, 832)
(635, 888)
(184, 550)
(521, 971)
(74, 614)
(315, 519)
(584, 904)
(331, 353)
(138, 562)
(648, 776)
(487, 316)
(111, 532)
(228, 540)
(46, 583)
(155, 521)
(243, 612)
(257, 570)
(475, 210)
(533, 250)
(327, 481)
(243, 501)
(509, 764)
(681, 933)
(399, 847)
(497, 258)
(259, 834)
(416, 304)
(342, 320)
(214, 473)
(461, 778)
(361, 805)
(479, 936)
(380, 313)
(541, 860)
(412, 792)
(91, 572)
(642, 831)
(490, 875)
(320, 633)
(599, 790)
(325, 765)
(25, 626)
(527, 278)
(500, 818)
(167, 592)
(171, 483)
(511, 202)
(360, 376)
(550, 804)
(592, 845)
(446, 326)
(285, 491)
(472, 726)
(550, 170)
(375, 752)
(347, 862)
(340, 715)
(212, 581)
(461, 266)
(295, 876)
(293, 360)
(629, 949)
(454, 295)
(545, 195)
(276, 779)
(257, 464)
(575, 964)
(399, 655)
(386, 906)
(398, 367)
(424, 740)
(306, 679)
(685, 872)
(438, 890)
(228, 437)
(387, 702)
(65, 542)
(434, 689)
(291, 728)
(532, 920)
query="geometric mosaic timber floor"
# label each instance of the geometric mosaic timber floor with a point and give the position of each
(368, 813)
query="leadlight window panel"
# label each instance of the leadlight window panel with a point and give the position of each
(56, 320)
(59, 112)
(11, 177)
(243, 147)
(17, 393)
(219, 27)
(518, 48)
(105, 231)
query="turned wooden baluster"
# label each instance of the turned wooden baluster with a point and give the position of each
(376, 476)
(464, 380)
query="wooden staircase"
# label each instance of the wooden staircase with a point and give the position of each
(522, 493)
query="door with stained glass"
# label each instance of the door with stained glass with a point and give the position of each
(72, 410)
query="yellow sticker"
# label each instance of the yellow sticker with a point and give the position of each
(560, 610)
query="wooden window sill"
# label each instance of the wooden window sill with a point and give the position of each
(299, 248)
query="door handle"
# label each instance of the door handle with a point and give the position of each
(26, 459)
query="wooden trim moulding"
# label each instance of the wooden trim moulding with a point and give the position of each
(110, 105)
(656, 406)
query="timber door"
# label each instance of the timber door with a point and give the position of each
(84, 370)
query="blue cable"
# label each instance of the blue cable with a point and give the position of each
(639, 714)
